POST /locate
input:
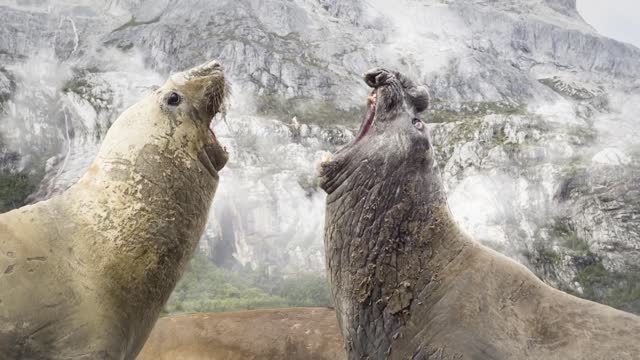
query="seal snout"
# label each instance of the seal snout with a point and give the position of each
(399, 86)
(206, 69)
(378, 77)
(206, 87)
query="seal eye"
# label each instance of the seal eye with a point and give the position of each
(174, 99)
(417, 123)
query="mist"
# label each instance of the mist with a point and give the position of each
(526, 128)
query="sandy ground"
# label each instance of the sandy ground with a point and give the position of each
(292, 334)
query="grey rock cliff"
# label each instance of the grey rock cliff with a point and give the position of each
(533, 117)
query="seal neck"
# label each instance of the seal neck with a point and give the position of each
(141, 221)
(389, 233)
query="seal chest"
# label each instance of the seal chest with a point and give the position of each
(84, 275)
(407, 283)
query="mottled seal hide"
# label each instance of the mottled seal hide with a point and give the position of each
(84, 275)
(409, 284)
(280, 334)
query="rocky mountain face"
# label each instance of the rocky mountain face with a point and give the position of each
(534, 117)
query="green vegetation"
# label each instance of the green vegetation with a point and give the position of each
(5, 94)
(307, 110)
(81, 86)
(572, 92)
(15, 186)
(77, 85)
(207, 288)
(591, 278)
(469, 110)
(581, 135)
(464, 130)
(305, 290)
(626, 296)
(14, 189)
(544, 254)
(568, 238)
(619, 290)
(133, 22)
(125, 46)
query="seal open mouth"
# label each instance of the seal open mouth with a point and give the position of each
(331, 165)
(369, 117)
(367, 124)
(393, 104)
(207, 88)
(213, 156)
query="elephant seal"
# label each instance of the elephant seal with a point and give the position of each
(292, 334)
(84, 275)
(409, 284)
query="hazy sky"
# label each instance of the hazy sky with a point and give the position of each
(618, 19)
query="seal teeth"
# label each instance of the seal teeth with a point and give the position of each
(371, 100)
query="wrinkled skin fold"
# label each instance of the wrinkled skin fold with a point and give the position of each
(84, 275)
(409, 284)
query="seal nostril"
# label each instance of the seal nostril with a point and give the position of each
(376, 77)
(417, 123)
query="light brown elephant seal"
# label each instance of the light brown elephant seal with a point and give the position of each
(84, 275)
(409, 284)
(279, 334)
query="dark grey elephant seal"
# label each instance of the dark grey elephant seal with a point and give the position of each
(84, 275)
(409, 284)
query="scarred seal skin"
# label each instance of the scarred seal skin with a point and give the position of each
(409, 284)
(84, 275)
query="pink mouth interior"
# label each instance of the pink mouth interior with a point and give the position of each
(368, 120)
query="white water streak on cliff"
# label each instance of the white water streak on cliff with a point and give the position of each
(68, 140)
(75, 34)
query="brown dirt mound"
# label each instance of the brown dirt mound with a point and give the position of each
(292, 334)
